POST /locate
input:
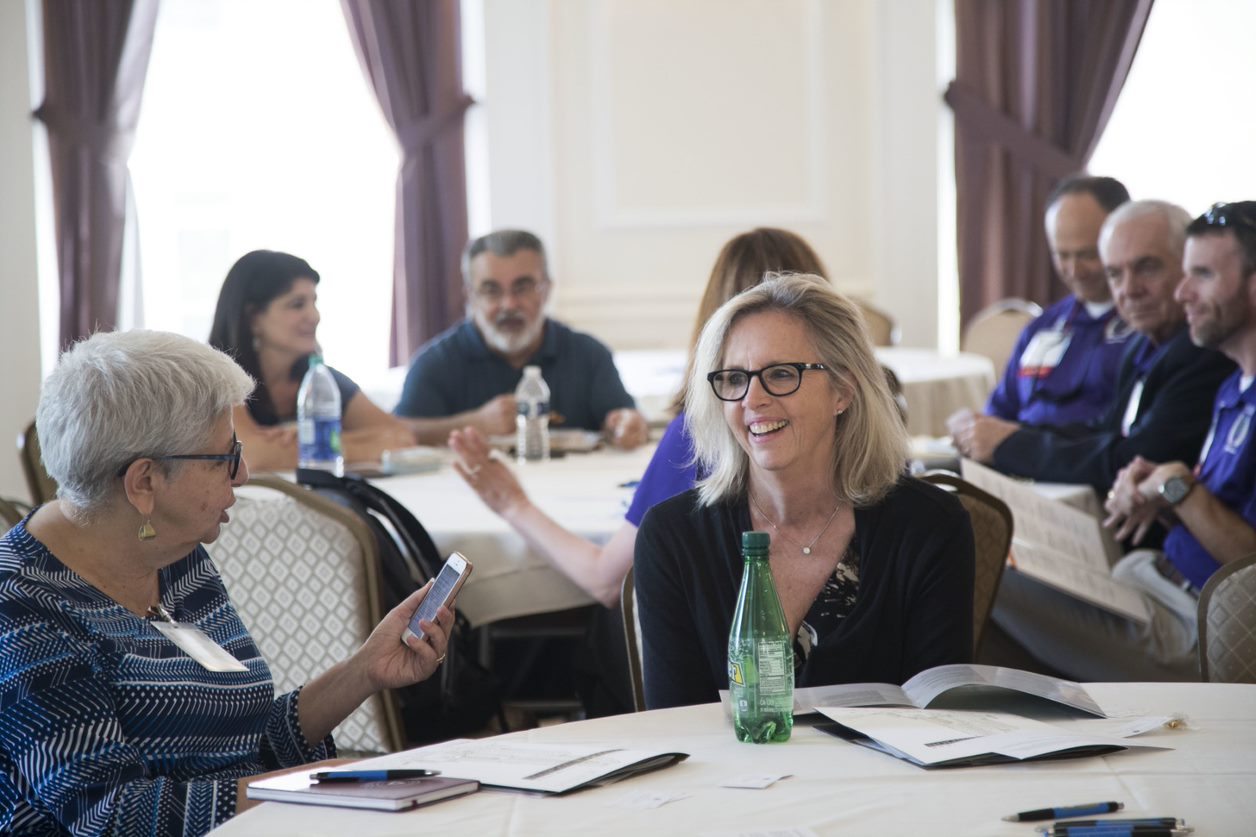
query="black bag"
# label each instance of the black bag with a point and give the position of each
(464, 695)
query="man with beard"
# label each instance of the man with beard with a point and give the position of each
(467, 376)
(1211, 507)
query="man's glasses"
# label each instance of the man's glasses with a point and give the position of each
(1232, 215)
(525, 288)
(778, 379)
(233, 458)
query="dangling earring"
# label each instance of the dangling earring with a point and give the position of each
(147, 532)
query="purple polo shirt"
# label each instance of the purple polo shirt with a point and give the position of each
(1228, 471)
(1063, 369)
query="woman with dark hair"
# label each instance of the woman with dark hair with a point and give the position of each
(267, 319)
(599, 569)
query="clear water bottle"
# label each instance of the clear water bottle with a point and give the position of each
(760, 653)
(532, 396)
(318, 420)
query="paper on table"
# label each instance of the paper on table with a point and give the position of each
(548, 768)
(932, 737)
(1061, 546)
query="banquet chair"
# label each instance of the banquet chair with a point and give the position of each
(41, 486)
(1227, 624)
(302, 572)
(632, 640)
(882, 329)
(11, 513)
(994, 329)
(992, 539)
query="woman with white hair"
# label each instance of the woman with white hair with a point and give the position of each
(134, 700)
(796, 430)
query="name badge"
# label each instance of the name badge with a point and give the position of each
(1043, 353)
(199, 647)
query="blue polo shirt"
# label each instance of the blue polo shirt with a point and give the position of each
(1228, 471)
(456, 372)
(1063, 369)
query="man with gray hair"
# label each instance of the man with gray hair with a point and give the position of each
(1165, 385)
(468, 375)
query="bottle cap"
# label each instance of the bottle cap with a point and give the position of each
(316, 360)
(758, 541)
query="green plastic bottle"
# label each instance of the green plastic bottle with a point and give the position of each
(760, 654)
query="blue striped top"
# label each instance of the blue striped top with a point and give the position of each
(106, 726)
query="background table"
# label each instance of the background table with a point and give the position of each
(587, 493)
(841, 788)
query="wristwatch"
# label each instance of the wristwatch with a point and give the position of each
(1175, 489)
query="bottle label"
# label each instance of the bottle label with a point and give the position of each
(523, 408)
(319, 439)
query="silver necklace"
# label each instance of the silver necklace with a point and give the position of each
(806, 550)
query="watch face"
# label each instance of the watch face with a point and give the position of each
(1175, 490)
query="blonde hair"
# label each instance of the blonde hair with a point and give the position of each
(871, 449)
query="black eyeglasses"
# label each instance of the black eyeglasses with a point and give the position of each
(524, 288)
(1232, 215)
(237, 453)
(778, 379)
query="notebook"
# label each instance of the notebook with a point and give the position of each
(389, 795)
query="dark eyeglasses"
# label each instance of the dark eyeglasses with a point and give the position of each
(778, 379)
(525, 288)
(233, 458)
(1232, 215)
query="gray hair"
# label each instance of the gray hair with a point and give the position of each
(871, 450)
(118, 396)
(503, 243)
(1176, 220)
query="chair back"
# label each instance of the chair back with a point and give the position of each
(41, 486)
(1227, 624)
(992, 539)
(632, 640)
(994, 329)
(11, 513)
(882, 329)
(302, 572)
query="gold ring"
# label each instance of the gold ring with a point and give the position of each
(440, 659)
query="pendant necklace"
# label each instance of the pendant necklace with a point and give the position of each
(806, 550)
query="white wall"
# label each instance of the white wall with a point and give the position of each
(637, 136)
(19, 287)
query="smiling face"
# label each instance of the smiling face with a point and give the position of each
(1143, 272)
(507, 296)
(1073, 223)
(289, 323)
(191, 504)
(1217, 295)
(790, 434)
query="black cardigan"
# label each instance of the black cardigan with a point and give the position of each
(1173, 416)
(914, 608)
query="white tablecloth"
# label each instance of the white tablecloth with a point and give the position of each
(585, 493)
(936, 385)
(840, 788)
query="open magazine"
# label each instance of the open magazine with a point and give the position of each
(953, 681)
(934, 738)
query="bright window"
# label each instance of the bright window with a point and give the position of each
(1184, 125)
(259, 130)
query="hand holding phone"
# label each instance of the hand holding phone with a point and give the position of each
(448, 582)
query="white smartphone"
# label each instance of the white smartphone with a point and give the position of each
(448, 582)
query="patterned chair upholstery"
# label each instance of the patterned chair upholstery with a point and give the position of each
(992, 539)
(1227, 624)
(302, 572)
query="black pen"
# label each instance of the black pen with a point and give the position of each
(1066, 811)
(370, 775)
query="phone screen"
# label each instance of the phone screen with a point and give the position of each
(448, 582)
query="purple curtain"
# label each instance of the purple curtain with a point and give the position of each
(410, 52)
(95, 59)
(1035, 84)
